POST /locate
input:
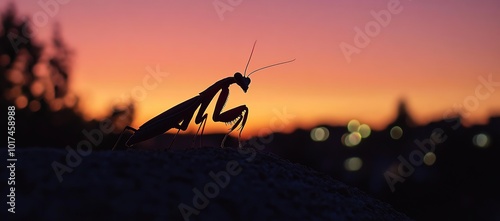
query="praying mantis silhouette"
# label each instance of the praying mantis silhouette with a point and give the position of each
(180, 115)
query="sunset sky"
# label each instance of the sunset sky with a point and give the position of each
(431, 53)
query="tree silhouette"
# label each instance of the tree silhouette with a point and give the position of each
(31, 77)
(36, 82)
(18, 56)
(35, 79)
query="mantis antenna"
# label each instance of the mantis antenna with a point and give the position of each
(251, 53)
(280, 63)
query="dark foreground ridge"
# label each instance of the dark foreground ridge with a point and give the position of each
(193, 184)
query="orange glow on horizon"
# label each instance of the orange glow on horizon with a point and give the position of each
(431, 54)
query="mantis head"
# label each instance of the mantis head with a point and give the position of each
(242, 81)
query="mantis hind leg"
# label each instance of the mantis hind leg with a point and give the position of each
(183, 126)
(184, 122)
(121, 134)
(202, 127)
(172, 142)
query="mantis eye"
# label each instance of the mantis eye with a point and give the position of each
(238, 75)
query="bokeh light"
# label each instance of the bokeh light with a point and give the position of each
(56, 105)
(481, 140)
(37, 88)
(15, 76)
(353, 126)
(396, 132)
(344, 138)
(353, 164)
(21, 102)
(364, 130)
(429, 158)
(320, 134)
(357, 132)
(352, 139)
(35, 105)
(70, 100)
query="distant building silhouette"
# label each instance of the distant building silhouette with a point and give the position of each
(403, 118)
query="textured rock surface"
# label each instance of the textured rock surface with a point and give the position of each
(145, 185)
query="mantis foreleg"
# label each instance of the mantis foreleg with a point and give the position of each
(237, 115)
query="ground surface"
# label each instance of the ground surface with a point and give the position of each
(145, 185)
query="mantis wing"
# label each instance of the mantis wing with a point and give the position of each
(171, 118)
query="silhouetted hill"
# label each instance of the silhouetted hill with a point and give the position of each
(456, 181)
(189, 184)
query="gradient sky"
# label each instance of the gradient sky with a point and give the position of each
(431, 53)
